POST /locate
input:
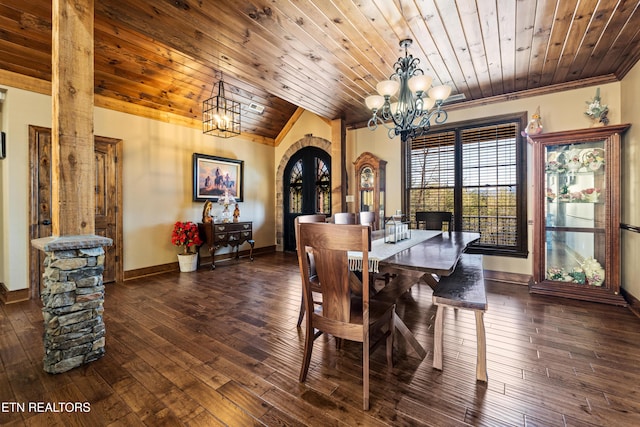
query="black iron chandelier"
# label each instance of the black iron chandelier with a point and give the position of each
(220, 115)
(411, 113)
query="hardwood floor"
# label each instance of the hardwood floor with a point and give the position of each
(222, 348)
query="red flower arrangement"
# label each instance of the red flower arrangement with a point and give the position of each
(186, 234)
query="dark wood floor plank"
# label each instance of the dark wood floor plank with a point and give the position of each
(140, 400)
(225, 410)
(307, 409)
(204, 419)
(221, 348)
(244, 398)
(129, 420)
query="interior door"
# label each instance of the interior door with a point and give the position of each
(307, 189)
(107, 202)
(108, 193)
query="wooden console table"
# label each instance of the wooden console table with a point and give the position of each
(217, 235)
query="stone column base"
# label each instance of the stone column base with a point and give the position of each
(73, 300)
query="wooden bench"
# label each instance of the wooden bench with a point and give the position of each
(464, 289)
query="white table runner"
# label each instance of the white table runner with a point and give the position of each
(381, 250)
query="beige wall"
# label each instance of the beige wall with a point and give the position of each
(20, 109)
(631, 181)
(157, 182)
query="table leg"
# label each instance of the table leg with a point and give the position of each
(430, 280)
(408, 335)
(212, 251)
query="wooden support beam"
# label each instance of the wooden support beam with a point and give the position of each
(338, 166)
(72, 168)
(287, 127)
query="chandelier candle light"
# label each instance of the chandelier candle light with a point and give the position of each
(412, 113)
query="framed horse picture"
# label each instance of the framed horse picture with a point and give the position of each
(214, 176)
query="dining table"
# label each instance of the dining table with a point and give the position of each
(424, 255)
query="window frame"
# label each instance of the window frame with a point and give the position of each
(520, 249)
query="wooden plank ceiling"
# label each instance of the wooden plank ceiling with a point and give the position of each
(326, 56)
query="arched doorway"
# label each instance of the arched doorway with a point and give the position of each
(306, 189)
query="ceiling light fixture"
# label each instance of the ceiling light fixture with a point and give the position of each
(412, 112)
(220, 115)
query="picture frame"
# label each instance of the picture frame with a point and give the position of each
(213, 175)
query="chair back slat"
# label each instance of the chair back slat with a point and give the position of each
(332, 268)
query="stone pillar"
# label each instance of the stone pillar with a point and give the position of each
(73, 300)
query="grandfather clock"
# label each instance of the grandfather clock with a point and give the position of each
(370, 183)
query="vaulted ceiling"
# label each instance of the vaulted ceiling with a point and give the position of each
(326, 56)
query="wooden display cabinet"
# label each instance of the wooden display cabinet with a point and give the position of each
(576, 223)
(370, 179)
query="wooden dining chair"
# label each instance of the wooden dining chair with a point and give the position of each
(434, 220)
(313, 278)
(368, 218)
(342, 314)
(344, 218)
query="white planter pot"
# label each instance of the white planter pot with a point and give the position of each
(188, 262)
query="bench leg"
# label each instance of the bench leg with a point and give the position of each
(481, 364)
(438, 338)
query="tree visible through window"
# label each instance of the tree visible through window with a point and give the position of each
(477, 170)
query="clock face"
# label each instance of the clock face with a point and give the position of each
(366, 177)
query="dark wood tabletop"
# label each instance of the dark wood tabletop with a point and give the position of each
(438, 255)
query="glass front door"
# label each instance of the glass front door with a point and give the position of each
(307, 189)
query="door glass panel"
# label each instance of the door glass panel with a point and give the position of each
(322, 187)
(295, 188)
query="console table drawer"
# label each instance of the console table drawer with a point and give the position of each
(221, 237)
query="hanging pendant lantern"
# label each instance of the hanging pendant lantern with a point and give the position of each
(220, 115)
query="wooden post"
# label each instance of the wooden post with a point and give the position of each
(339, 177)
(72, 157)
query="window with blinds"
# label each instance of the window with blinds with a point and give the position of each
(477, 170)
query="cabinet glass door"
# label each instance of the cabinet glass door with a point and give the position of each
(575, 223)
